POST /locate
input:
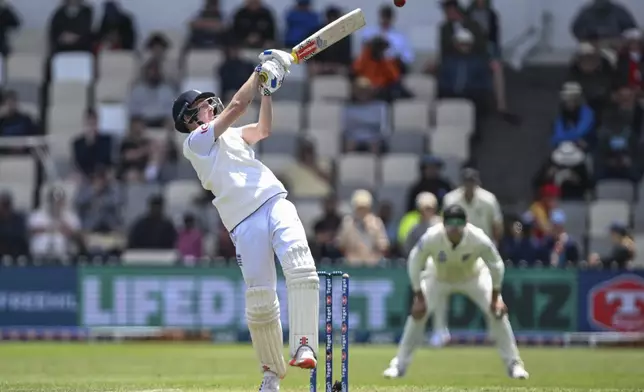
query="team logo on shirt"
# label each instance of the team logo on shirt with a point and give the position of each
(442, 257)
(204, 128)
(466, 257)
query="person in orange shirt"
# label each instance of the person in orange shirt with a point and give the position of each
(383, 72)
(548, 199)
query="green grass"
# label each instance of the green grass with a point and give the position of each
(37, 367)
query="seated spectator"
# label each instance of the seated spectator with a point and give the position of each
(362, 238)
(70, 28)
(254, 25)
(563, 249)
(54, 228)
(571, 173)
(630, 63)
(522, 246)
(151, 97)
(9, 22)
(381, 71)
(99, 202)
(190, 239)
(157, 49)
(604, 19)
(13, 229)
(399, 46)
(14, 122)
(623, 252)
(365, 120)
(117, 31)
(136, 161)
(92, 149)
(309, 176)
(541, 209)
(465, 74)
(153, 230)
(430, 179)
(208, 27)
(427, 206)
(301, 20)
(576, 120)
(594, 74)
(326, 229)
(336, 59)
(618, 139)
(234, 71)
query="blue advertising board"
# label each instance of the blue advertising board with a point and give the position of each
(38, 296)
(611, 301)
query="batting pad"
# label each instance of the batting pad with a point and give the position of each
(263, 317)
(303, 286)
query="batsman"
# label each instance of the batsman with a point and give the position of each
(262, 223)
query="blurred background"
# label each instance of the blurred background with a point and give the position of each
(529, 113)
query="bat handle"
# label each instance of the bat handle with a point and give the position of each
(263, 78)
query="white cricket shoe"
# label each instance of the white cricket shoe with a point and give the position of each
(393, 371)
(440, 339)
(518, 372)
(304, 358)
(270, 383)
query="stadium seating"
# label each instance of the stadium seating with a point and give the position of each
(399, 169)
(357, 170)
(615, 190)
(411, 115)
(603, 213)
(332, 87)
(455, 113)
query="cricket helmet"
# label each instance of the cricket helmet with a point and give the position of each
(182, 107)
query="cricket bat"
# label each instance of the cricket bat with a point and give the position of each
(326, 36)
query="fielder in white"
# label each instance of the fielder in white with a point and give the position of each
(465, 261)
(252, 205)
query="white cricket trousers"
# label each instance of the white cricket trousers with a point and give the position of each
(479, 290)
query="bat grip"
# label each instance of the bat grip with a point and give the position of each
(263, 78)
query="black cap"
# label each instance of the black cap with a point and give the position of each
(455, 214)
(470, 174)
(181, 105)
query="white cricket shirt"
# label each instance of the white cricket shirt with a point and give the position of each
(458, 263)
(484, 210)
(228, 168)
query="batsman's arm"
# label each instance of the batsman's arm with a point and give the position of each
(237, 106)
(253, 133)
(417, 260)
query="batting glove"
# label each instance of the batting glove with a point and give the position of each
(284, 58)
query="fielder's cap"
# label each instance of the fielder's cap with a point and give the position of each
(361, 198)
(470, 175)
(558, 217)
(454, 215)
(426, 200)
(182, 104)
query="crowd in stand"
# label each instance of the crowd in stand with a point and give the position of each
(600, 122)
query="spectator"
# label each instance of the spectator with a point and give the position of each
(254, 25)
(381, 71)
(430, 180)
(13, 229)
(226, 248)
(622, 253)
(9, 22)
(234, 71)
(541, 209)
(630, 63)
(326, 229)
(427, 206)
(99, 202)
(618, 139)
(70, 28)
(455, 21)
(465, 74)
(301, 20)
(336, 59)
(576, 120)
(571, 173)
(563, 249)
(14, 122)
(594, 74)
(309, 176)
(482, 207)
(157, 50)
(153, 230)
(365, 120)
(602, 19)
(54, 228)
(207, 28)
(362, 238)
(399, 47)
(413, 217)
(523, 246)
(92, 149)
(117, 30)
(151, 97)
(136, 162)
(190, 239)
(481, 12)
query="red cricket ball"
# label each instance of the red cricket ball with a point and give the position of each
(399, 3)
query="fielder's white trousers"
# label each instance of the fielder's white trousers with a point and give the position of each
(479, 290)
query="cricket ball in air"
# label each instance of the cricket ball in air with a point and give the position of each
(399, 3)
